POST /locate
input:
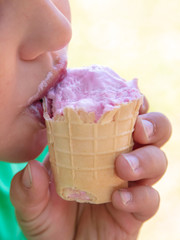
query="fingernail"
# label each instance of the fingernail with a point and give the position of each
(27, 177)
(132, 160)
(126, 196)
(148, 128)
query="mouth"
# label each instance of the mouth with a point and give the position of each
(35, 106)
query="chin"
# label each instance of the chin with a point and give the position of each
(33, 150)
(27, 149)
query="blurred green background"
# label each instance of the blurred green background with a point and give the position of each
(139, 39)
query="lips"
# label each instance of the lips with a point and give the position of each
(35, 107)
(37, 110)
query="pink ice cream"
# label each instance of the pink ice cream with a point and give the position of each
(95, 89)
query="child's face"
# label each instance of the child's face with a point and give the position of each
(31, 33)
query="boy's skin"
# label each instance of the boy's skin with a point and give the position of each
(31, 35)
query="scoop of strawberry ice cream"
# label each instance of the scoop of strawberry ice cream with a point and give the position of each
(95, 89)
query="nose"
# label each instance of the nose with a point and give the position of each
(46, 29)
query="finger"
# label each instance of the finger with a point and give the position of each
(146, 164)
(144, 107)
(47, 165)
(141, 201)
(152, 128)
(41, 213)
(24, 190)
(46, 161)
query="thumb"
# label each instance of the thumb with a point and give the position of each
(41, 213)
(30, 193)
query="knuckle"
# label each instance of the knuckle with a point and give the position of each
(151, 201)
(164, 160)
(153, 160)
(164, 125)
(159, 157)
(155, 201)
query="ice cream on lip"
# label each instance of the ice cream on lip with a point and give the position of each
(53, 77)
(95, 89)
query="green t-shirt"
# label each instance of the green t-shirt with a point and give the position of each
(9, 229)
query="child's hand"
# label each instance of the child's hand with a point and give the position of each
(44, 215)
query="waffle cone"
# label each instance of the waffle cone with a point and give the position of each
(82, 152)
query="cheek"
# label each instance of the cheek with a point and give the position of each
(7, 80)
(8, 109)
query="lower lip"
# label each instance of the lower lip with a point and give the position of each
(36, 109)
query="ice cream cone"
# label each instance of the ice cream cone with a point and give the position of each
(82, 151)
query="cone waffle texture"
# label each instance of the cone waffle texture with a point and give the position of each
(82, 152)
